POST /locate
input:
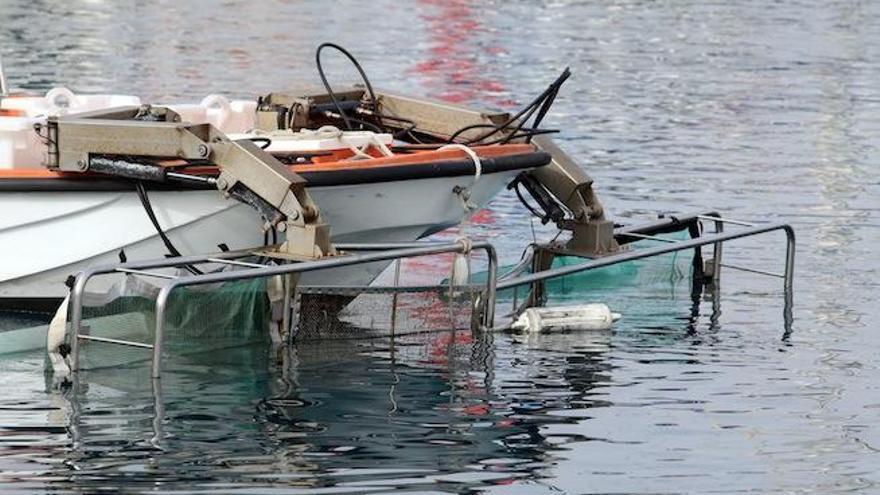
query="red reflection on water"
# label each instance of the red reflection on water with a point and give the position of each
(441, 264)
(453, 70)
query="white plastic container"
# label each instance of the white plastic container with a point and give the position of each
(565, 318)
(236, 116)
(62, 101)
(20, 145)
(323, 139)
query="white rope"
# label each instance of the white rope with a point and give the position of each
(375, 141)
(464, 193)
(358, 152)
(467, 244)
(478, 165)
(461, 263)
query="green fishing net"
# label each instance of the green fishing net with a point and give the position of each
(198, 319)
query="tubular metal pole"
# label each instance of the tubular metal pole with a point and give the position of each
(4, 90)
(394, 296)
(491, 286)
(669, 224)
(306, 266)
(286, 309)
(158, 414)
(716, 255)
(76, 293)
(161, 304)
(789, 258)
(649, 252)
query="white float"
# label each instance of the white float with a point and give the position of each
(565, 318)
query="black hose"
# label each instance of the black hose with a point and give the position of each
(544, 218)
(332, 95)
(148, 207)
(528, 134)
(542, 101)
(362, 122)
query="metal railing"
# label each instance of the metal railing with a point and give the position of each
(385, 252)
(673, 246)
(368, 253)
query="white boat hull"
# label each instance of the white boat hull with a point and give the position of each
(47, 236)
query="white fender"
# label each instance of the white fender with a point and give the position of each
(564, 318)
(54, 339)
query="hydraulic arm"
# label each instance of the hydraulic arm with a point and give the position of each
(150, 143)
(561, 188)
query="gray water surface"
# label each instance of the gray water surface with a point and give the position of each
(763, 111)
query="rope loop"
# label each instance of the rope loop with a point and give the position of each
(464, 193)
(467, 244)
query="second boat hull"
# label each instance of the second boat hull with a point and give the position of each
(52, 235)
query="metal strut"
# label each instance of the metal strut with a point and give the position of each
(562, 188)
(4, 90)
(148, 143)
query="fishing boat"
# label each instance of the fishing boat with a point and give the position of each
(372, 184)
(63, 222)
(294, 186)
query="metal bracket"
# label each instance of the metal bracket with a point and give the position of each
(247, 173)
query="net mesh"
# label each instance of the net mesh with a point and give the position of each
(197, 319)
(334, 314)
(233, 314)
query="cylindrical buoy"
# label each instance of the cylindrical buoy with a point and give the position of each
(460, 270)
(565, 318)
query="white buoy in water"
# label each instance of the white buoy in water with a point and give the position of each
(565, 318)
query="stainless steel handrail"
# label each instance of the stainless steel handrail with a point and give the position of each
(391, 251)
(664, 249)
(384, 252)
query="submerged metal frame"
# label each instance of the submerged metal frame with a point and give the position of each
(715, 239)
(396, 251)
(385, 252)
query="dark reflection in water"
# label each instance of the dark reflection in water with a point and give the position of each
(766, 111)
(424, 411)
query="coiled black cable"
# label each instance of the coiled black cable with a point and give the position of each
(345, 118)
(541, 103)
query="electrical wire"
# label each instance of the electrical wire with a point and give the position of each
(532, 210)
(541, 103)
(332, 95)
(148, 208)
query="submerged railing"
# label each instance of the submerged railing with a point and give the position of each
(484, 306)
(251, 271)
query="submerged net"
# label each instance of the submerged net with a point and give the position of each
(334, 314)
(198, 319)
